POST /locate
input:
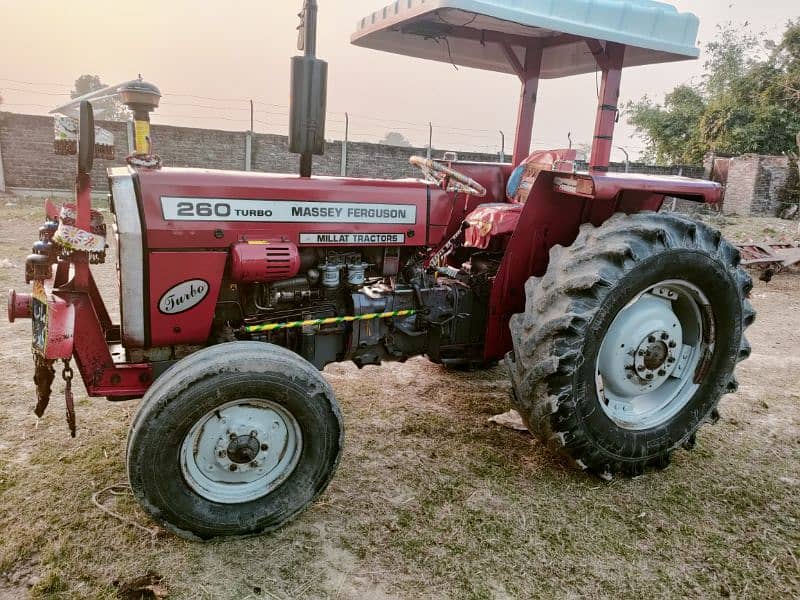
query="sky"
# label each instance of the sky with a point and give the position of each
(210, 58)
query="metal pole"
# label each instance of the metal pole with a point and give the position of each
(310, 28)
(627, 158)
(502, 146)
(248, 143)
(607, 107)
(527, 103)
(344, 144)
(2, 173)
(430, 140)
(310, 48)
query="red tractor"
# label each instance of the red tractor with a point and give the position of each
(620, 326)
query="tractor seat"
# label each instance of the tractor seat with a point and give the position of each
(490, 220)
(521, 181)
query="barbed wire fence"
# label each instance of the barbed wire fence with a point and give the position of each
(260, 116)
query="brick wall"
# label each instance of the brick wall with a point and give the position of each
(739, 191)
(26, 144)
(772, 176)
(753, 184)
(202, 148)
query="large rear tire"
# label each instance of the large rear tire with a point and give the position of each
(236, 439)
(629, 341)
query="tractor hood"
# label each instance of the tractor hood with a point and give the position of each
(201, 208)
(479, 33)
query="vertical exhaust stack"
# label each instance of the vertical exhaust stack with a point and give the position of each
(309, 89)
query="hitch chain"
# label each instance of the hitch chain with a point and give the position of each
(68, 374)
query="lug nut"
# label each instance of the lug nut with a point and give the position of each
(661, 373)
(640, 368)
(665, 336)
(641, 352)
(671, 359)
(221, 453)
(264, 447)
(233, 467)
(651, 339)
(672, 344)
(650, 376)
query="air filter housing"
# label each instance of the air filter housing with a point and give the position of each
(262, 262)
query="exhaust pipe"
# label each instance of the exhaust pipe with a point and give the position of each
(309, 89)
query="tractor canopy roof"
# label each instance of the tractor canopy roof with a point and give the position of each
(479, 33)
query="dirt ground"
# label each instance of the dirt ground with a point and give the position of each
(430, 500)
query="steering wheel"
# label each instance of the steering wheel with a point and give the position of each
(447, 178)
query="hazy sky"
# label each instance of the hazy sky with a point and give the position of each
(232, 51)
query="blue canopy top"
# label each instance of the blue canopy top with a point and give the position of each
(472, 33)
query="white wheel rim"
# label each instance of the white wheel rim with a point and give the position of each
(653, 354)
(241, 451)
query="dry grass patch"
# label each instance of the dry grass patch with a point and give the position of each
(430, 500)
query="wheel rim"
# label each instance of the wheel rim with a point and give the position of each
(241, 451)
(653, 355)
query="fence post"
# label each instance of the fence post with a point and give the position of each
(2, 173)
(344, 144)
(430, 141)
(248, 151)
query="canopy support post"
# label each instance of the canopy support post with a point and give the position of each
(610, 60)
(529, 75)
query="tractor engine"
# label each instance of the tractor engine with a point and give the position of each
(332, 270)
(366, 304)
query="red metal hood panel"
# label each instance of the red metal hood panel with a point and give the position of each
(196, 208)
(608, 185)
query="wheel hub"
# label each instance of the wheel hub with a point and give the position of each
(243, 448)
(241, 451)
(656, 355)
(646, 363)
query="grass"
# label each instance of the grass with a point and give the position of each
(430, 500)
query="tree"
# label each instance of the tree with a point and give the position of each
(107, 109)
(672, 131)
(748, 100)
(394, 138)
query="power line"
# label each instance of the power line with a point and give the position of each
(6, 89)
(442, 131)
(67, 85)
(25, 104)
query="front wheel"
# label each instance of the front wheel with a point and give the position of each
(236, 439)
(629, 340)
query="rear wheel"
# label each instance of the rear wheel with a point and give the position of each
(236, 439)
(629, 340)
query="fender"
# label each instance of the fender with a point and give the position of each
(558, 204)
